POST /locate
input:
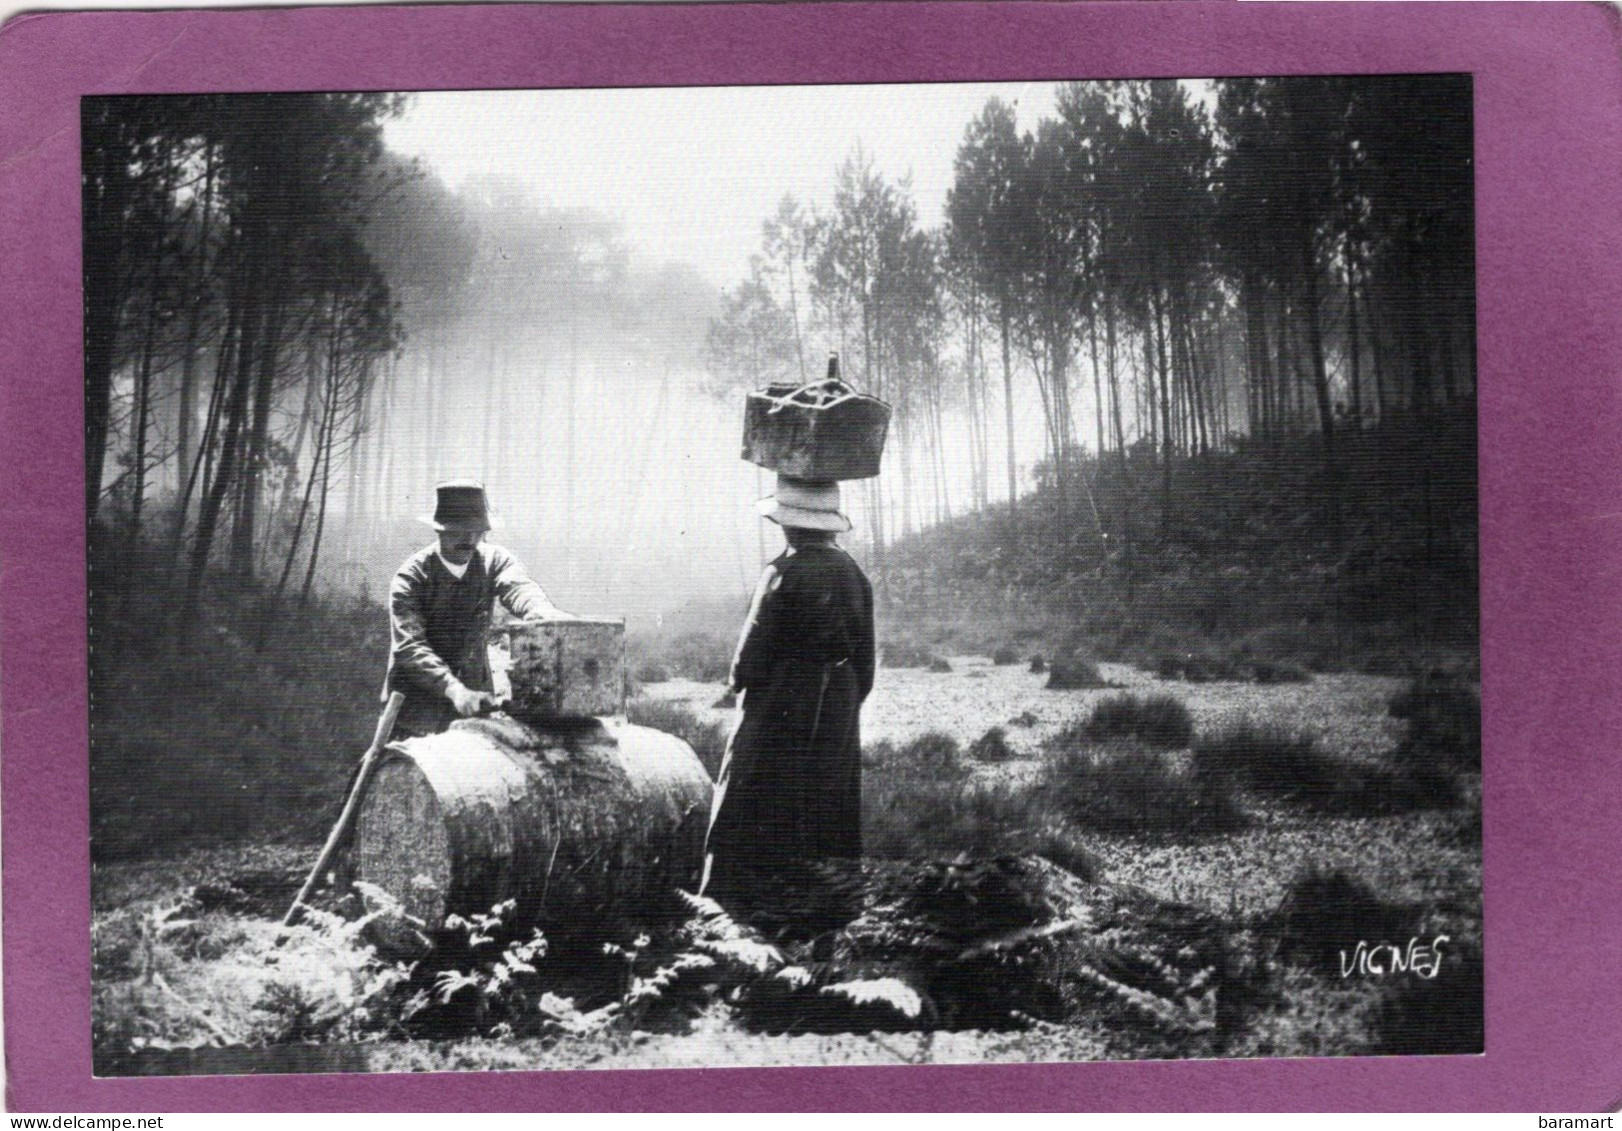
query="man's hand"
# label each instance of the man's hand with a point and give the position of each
(550, 616)
(469, 702)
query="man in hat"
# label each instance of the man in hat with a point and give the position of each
(440, 605)
(790, 789)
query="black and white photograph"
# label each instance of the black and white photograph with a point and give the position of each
(708, 577)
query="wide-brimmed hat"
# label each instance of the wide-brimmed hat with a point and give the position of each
(460, 505)
(810, 504)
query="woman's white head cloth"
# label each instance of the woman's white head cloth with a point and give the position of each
(810, 504)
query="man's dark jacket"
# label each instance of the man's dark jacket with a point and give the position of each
(439, 624)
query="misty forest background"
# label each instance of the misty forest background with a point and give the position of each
(1182, 382)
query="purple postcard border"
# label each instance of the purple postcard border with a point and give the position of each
(1548, 97)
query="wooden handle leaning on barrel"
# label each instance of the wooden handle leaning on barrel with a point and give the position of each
(340, 831)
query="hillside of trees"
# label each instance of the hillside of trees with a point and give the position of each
(1244, 560)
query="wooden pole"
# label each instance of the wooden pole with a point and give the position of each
(346, 820)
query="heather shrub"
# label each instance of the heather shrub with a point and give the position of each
(932, 754)
(1326, 911)
(1075, 674)
(1274, 761)
(1127, 786)
(992, 746)
(1002, 657)
(1276, 671)
(1444, 720)
(1304, 648)
(1157, 720)
(915, 816)
(1197, 666)
(1282, 763)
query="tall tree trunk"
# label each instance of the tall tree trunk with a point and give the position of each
(1354, 350)
(1261, 375)
(253, 265)
(320, 525)
(1320, 384)
(143, 399)
(1122, 464)
(1437, 305)
(256, 456)
(794, 313)
(984, 385)
(187, 413)
(1168, 440)
(1114, 380)
(303, 511)
(1098, 382)
(1008, 406)
(106, 199)
(197, 477)
(971, 404)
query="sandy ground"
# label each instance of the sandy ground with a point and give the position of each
(1346, 712)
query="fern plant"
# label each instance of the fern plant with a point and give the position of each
(501, 987)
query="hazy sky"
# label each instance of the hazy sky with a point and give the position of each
(692, 172)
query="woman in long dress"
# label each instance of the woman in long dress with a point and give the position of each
(790, 789)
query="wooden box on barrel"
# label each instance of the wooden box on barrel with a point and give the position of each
(566, 669)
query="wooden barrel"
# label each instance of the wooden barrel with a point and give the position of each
(588, 827)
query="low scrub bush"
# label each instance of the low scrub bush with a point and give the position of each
(700, 655)
(1273, 760)
(1202, 666)
(992, 746)
(708, 739)
(1325, 912)
(914, 816)
(1038, 665)
(933, 754)
(177, 976)
(939, 665)
(1394, 662)
(1002, 657)
(1444, 720)
(1287, 764)
(1126, 786)
(1157, 720)
(1075, 674)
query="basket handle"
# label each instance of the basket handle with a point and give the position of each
(834, 385)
